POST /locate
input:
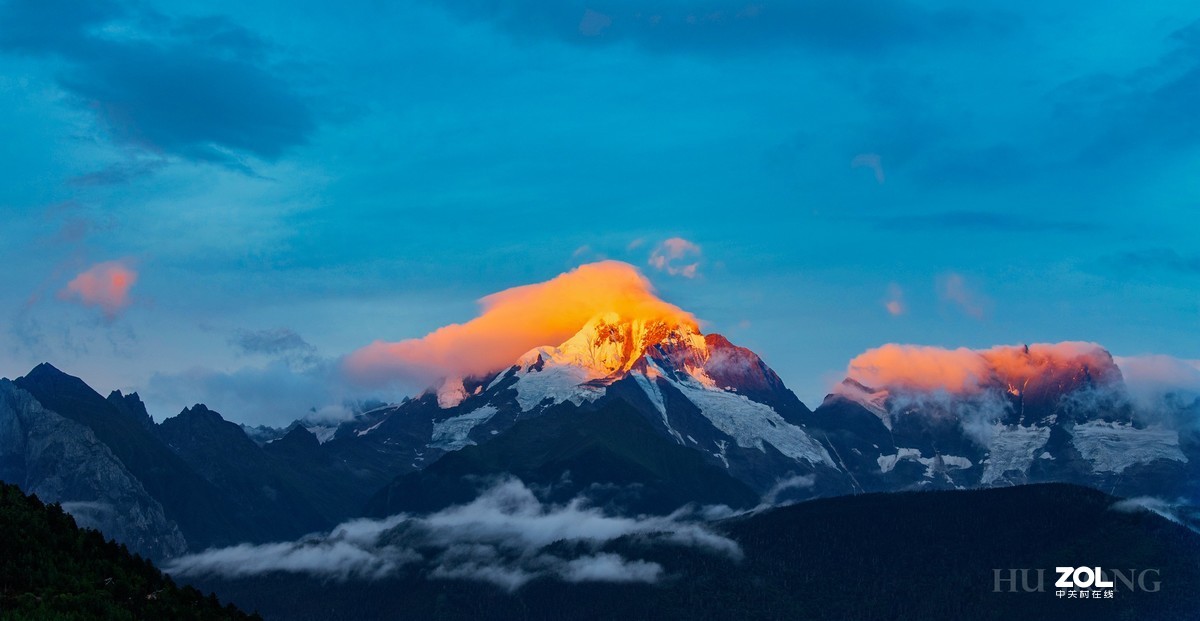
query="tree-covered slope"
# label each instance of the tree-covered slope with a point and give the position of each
(50, 569)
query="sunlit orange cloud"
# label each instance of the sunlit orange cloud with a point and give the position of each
(1053, 363)
(965, 370)
(512, 322)
(104, 285)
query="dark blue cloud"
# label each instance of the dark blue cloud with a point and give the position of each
(1103, 125)
(271, 341)
(1152, 109)
(981, 221)
(195, 88)
(49, 26)
(1163, 259)
(855, 26)
(117, 174)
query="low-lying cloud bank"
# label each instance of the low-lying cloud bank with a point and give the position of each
(1179, 512)
(506, 536)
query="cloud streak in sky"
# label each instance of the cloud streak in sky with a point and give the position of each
(104, 285)
(844, 26)
(984, 221)
(953, 288)
(511, 323)
(506, 536)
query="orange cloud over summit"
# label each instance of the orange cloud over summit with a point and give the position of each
(514, 321)
(965, 370)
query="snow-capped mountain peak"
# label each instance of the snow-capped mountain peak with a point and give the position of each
(610, 345)
(702, 383)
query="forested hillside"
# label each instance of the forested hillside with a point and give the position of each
(50, 569)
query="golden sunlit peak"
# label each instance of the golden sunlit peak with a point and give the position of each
(612, 343)
(513, 321)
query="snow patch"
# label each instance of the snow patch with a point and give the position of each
(933, 465)
(362, 432)
(324, 433)
(454, 432)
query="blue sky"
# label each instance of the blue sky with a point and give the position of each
(291, 181)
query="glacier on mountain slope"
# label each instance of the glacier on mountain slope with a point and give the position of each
(751, 423)
(1012, 447)
(1113, 447)
(454, 433)
(555, 384)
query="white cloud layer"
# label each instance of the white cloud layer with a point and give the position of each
(503, 537)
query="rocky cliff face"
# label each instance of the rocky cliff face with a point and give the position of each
(62, 461)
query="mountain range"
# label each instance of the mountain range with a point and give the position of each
(636, 415)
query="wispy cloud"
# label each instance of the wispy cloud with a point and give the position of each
(953, 288)
(119, 173)
(1173, 511)
(779, 491)
(871, 161)
(274, 393)
(281, 342)
(895, 301)
(677, 256)
(1152, 377)
(104, 285)
(507, 536)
